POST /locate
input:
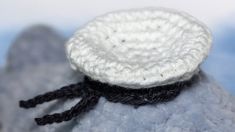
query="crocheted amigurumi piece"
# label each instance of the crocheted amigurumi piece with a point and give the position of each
(135, 57)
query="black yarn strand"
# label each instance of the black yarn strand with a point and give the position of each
(90, 91)
(87, 103)
(142, 96)
(71, 91)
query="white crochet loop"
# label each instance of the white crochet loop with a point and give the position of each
(140, 48)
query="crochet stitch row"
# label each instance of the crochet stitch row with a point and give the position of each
(140, 48)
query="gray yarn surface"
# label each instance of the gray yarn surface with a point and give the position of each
(205, 107)
(36, 45)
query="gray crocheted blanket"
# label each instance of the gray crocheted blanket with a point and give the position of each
(36, 64)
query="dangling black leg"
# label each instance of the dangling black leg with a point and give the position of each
(70, 91)
(86, 104)
(91, 90)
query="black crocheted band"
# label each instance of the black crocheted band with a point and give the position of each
(90, 91)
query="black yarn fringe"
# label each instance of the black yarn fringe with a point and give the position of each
(90, 91)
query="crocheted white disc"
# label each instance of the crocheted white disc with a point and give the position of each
(140, 48)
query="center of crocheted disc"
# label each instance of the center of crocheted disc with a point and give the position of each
(138, 41)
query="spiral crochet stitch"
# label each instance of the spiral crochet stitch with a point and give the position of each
(140, 48)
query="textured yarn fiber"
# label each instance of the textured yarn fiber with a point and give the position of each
(140, 48)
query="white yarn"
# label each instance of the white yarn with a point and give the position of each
(140, 48)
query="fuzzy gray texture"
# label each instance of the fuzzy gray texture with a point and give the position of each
(34, 46)
(205, 107)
